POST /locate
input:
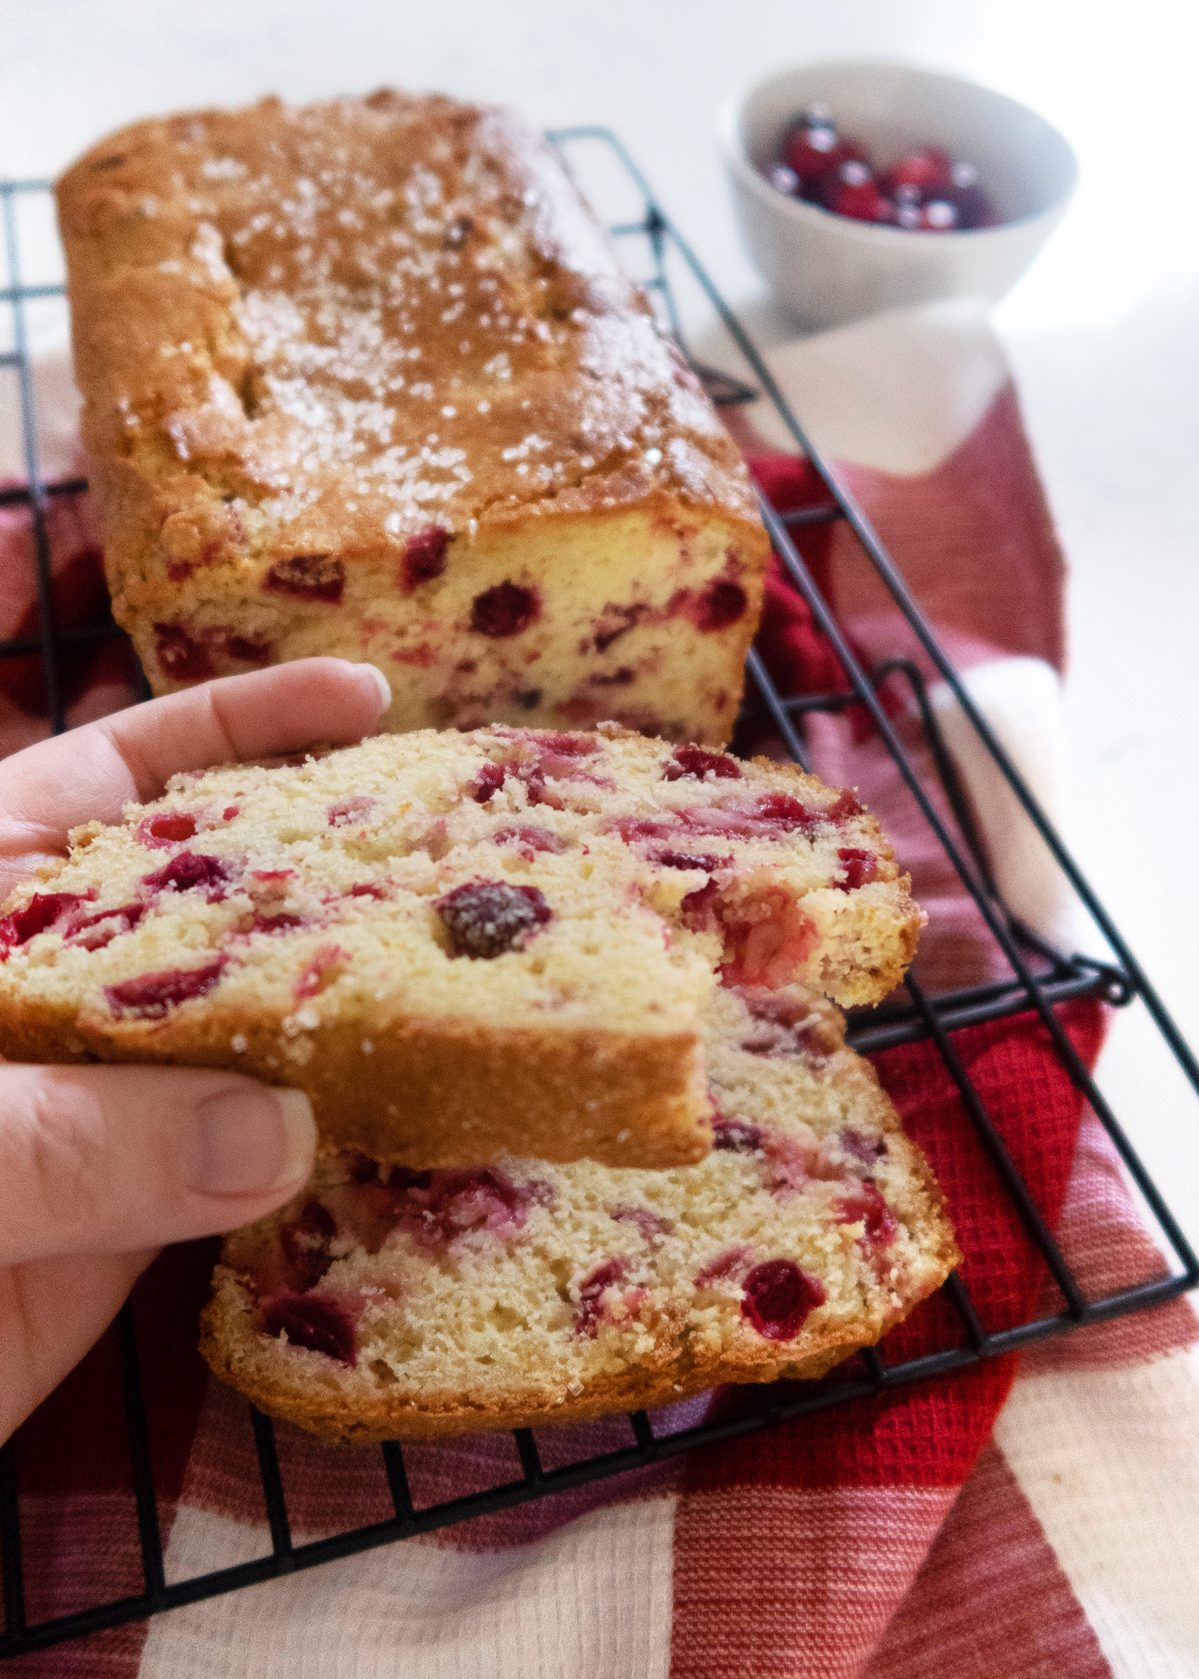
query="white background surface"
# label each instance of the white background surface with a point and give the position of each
(1104, 332)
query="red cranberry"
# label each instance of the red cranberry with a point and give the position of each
(632, 828)
(845, 804)
(559, 741)
(736, 1135)
(698, 908)
(151, 996)
(867, 1207)
(366, 889)
(504, 610)
(187, 871)
(694, 820)
(779, 1298)
(783, 179)
(938, 216)
(305, 1244)
(167, 827)
(361, 1168)
(529, 838)
(425, 556)
(614, 622)
(724, 1265)
(247, 651)
(309, 576)
(812, 148)
(182, 657)
(766, 817)
(924, 173)
(647, 1223)
(767, 940)
(720, 605)
(439, 1205)
(973, 205)
(785, 811)
(851, 190)
(591, 1306)
(858, 867)
(93, 932)
(696, 761)
(690, 860)
(350, 813)
(282, 921)
(314, 1321)
(906, 203)
(681, 823)
(489, 778)
(563, 766)
(40, 913)
(861, 1147)
(486, 918)
(786, 1026)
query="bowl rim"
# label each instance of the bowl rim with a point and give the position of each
(804, 213)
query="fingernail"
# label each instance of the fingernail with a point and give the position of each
(250, 1141)
(381, 681)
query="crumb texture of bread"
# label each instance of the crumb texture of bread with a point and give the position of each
(366, 378)
(385, 1303)
(459, 944)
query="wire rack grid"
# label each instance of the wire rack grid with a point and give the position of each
(1036, 980)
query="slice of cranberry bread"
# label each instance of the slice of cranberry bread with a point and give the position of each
(457, 944)
(394, 1302)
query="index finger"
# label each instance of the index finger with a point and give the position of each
(94, 771)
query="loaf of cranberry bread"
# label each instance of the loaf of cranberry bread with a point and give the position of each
(457, 943)
(366, 378)
(392, 1302)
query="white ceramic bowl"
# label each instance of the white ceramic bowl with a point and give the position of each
(827, 269)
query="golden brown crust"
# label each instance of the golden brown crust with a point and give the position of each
(317, 332)
(436, 1415)
(467, 1094)
(229, 182)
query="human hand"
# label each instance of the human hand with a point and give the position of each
(100, 1166)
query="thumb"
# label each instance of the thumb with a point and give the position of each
(111, 1159)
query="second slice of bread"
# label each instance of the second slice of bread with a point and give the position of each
(386, 1303)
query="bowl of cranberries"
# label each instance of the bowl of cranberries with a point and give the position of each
(868, 186)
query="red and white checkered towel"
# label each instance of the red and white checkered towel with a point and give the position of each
(923, 1529)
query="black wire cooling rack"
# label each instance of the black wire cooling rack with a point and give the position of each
(1035, 979)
